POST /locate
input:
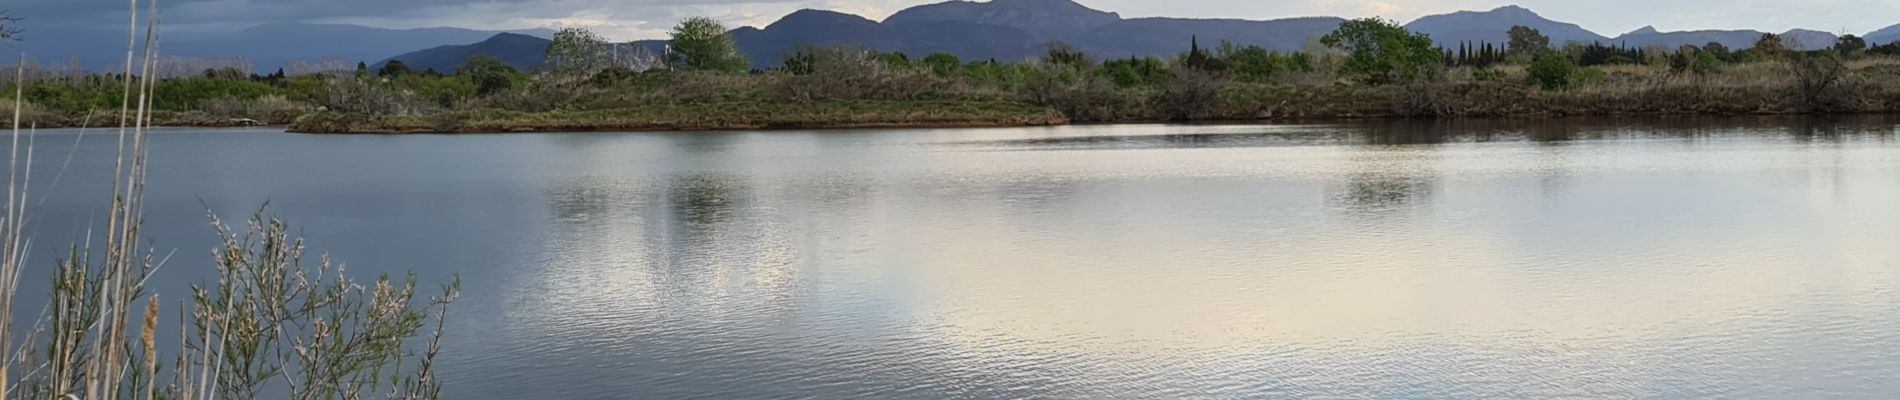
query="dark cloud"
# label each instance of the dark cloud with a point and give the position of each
(649, 17)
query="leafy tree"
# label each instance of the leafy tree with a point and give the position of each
(942, 64)
(1850, 44)
(702, 44)
(896, 60)
(228, 73)
(1719, 50)
(1552, 70)
(1527, 40)
(394, 68)
(1770, 45)
(1136, 71)
(1382, 52)
(362, 69)
(1253, 62)
(578, 50)
(1889, 49)
(1705, 63)
(1064, 54)
(1683, 58)
(489, 74)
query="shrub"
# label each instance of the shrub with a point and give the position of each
(191, 93)
(1552, 70)
(942, 64)
(270, 109)
(851, 73)
(371, 96)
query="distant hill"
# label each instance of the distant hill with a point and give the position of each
(1050, 19)
(809, 27)
(1493, 26)
(522, 52)
(1004, 30)
(1804, 39)
(1884, 35)
(1013, 30)
(268, 46)
(1171, 36)
(1734, 39)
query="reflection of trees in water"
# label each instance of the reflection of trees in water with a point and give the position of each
(1377, 180)
(1839, 128)
(704, 200)
(581, 200)
(1408, 132)
(1549, 130)
(1384, 191)
(1440, 131)
(1037, 195)
(693, 242)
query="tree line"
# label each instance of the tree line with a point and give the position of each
(701, 62)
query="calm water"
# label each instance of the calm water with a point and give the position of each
(1664, 258)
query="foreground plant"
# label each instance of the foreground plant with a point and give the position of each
(269, 319)
(268, 323)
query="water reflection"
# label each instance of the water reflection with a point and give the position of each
(1744, 257)
(1434, 132)
(1083, 275)
(704, 202)
(1390, 180)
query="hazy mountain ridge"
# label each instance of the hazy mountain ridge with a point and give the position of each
(1046, 18)
(267, 47)
(1449, 30)
(1011, 30)
(1004, 30)
(522, 52)
(1648, 36)
(1884, 35)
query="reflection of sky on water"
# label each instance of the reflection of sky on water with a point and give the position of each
(1715, 257)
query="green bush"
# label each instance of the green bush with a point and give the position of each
(942, 64)
(1705, 64)
(1552, 70)
(192, 93)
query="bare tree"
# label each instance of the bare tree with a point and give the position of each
(332, 66)
(7, 30)
(636, 57)
(1815, 77)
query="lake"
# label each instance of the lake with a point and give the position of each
(1669, 258)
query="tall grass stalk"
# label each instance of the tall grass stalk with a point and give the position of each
(268, 322)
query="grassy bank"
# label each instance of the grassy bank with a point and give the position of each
(782, 101)
(700, 116)
(857, 88)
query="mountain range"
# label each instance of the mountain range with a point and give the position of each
(1011, 30)
(267, 47)
(1004, 30)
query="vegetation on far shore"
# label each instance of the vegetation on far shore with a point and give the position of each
(1368, 68)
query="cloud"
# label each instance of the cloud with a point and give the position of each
(632, 19)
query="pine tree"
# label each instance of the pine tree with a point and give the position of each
(1196, 58)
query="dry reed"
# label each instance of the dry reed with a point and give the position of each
(327, 337)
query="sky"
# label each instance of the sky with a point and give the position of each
(643, 19)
